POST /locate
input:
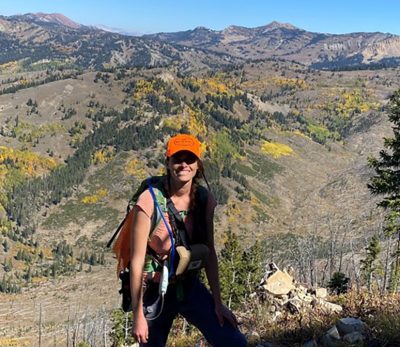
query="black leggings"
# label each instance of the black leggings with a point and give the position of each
(197, 307)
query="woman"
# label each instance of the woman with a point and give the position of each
(185, 294)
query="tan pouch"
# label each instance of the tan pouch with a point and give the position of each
(192, 259)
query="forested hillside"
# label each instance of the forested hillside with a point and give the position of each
(263, 135)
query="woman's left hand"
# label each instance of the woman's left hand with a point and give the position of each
(223, 313)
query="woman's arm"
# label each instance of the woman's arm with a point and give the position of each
(140, 230)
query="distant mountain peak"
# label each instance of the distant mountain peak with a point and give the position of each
(278, 25)
(237, 32)
(201, 28)
(56, 18)
(235, 27)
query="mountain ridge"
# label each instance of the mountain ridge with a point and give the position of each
(54, 18)
(284, 41)
(93, 47)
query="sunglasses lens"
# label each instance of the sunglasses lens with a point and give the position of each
(188, 158)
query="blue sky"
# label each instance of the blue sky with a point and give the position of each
(150, 16)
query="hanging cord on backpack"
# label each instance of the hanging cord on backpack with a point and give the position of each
(165, 274)
(162, 289)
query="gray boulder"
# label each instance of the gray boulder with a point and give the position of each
(329, 341)
(334, 333)
(354, 337)
(348, 325)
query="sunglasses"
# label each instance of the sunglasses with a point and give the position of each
(187, 157)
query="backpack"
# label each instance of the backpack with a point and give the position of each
(122, 244)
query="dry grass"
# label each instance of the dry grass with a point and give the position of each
(287, 329)
(381, 313)
(183, 335)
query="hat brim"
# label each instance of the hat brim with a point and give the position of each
(190, 150)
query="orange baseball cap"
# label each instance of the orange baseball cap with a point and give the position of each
(183, 142)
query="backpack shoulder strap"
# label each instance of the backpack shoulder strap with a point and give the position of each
(156, 182)
(157, 185)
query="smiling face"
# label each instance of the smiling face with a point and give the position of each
(183, 166)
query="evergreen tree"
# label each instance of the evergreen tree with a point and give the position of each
(28, 274)
(394, 277)
(386, 183)
(121, 325)
(54, 269)
(7, 266)
(253, 268)
(240, 270)
(232, 271)
(370, 265)
(6, 245)
(339, 283)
